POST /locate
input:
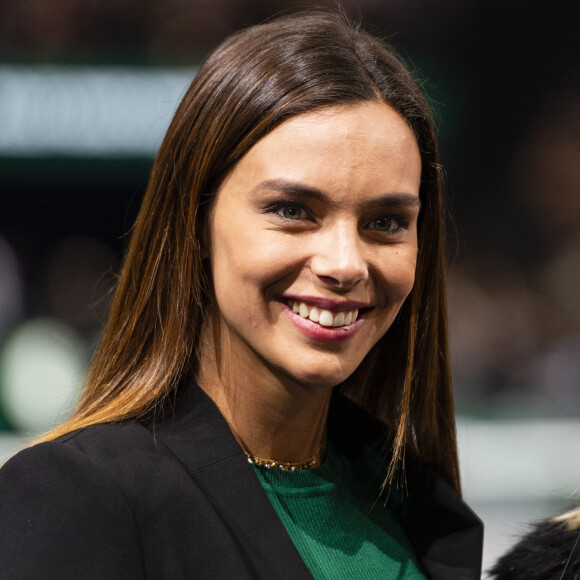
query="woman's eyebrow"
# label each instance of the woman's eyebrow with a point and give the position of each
(294, 188)
(298, 189)
(395, 199)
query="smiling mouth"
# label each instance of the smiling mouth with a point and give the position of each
(322, 316)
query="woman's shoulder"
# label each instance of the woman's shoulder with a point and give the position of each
(70, 492)
(107, 440)
(110, 456)
(112, 442)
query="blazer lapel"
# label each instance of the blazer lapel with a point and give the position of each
(201, 439)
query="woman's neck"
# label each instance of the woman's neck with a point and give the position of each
(272, 417)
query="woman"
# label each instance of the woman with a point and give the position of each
(281, 304)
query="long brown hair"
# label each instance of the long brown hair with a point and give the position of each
(253, 82)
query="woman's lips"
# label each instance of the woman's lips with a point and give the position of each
(324, 317)
(325, 320)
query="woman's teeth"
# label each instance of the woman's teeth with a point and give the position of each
(323, 317)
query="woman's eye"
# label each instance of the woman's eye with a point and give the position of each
(291, 212)
(388, 224)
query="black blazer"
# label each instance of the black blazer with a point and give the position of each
(177, 499)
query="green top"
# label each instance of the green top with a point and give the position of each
(339, 525)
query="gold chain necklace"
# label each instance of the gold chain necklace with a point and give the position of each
(310, 463)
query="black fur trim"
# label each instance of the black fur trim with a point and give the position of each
(544, 553)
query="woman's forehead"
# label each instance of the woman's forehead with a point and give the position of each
(366, 146)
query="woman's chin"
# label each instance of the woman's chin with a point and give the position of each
(321, 378)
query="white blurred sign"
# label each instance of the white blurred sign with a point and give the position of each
(87, 112)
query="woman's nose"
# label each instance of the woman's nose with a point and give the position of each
(338, 258)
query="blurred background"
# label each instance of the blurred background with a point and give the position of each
(87, 89)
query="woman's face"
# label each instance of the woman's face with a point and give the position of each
(313, 243)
